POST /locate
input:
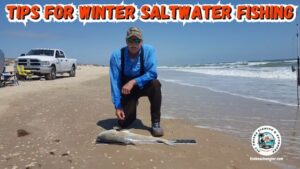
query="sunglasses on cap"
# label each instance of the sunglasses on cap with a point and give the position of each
(134, 40)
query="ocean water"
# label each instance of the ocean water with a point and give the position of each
(237, 98)
(271, 81)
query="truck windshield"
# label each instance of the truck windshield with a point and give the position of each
(41, 52)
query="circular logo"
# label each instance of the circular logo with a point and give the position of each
(266, 140)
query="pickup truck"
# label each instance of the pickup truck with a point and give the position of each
(47, 62)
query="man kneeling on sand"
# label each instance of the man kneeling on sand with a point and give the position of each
(133, 74)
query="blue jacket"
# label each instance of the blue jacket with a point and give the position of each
(131, 69)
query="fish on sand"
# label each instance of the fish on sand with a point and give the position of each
(126, 137)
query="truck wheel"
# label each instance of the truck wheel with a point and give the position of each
(51, 75)
(73, 72)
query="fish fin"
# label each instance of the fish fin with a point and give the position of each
(117, 128)
(130, 143)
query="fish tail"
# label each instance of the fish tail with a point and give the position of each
(167, 142)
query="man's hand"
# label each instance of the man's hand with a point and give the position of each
(126, 89)
(120, 114)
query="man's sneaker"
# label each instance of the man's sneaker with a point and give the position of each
(156, 130)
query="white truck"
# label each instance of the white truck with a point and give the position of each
(47, 62)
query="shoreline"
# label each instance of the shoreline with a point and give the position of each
(64, 117)
(235, 116)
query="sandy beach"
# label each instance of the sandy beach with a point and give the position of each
(64, 116)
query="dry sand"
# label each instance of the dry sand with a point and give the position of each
(64, 116)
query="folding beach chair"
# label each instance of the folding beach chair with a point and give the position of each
(22, 73)
(8, 78)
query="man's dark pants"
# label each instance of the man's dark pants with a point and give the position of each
(129, 102)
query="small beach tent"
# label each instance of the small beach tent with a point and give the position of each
(2, 61)
(6, 77)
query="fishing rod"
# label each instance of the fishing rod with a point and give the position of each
(298, 62)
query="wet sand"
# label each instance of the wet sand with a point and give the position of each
(236, 116)
(64, 116)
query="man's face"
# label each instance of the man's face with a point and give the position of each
(134, 44)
